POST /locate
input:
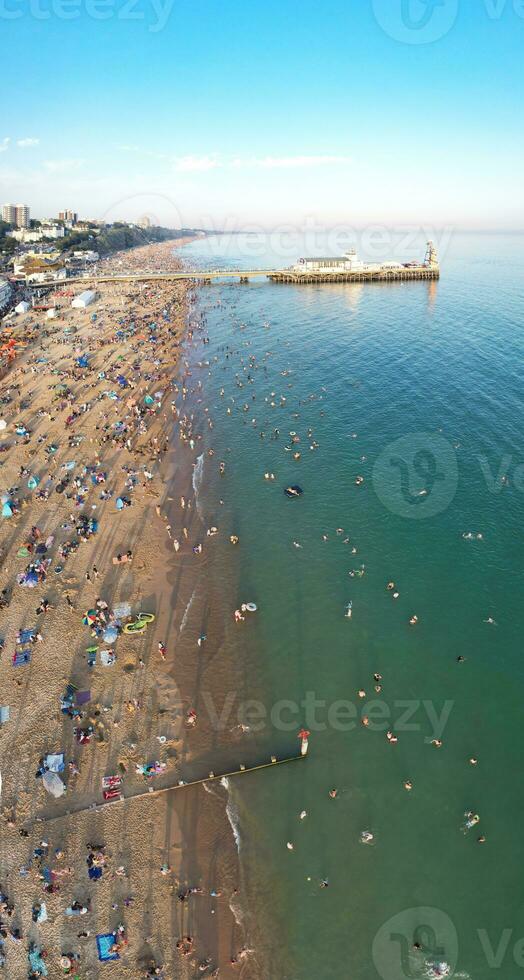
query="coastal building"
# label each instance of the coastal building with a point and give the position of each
(86, 256)
(68, 216)
(9, 214)
(84, 299)
(349, 262)
(5, 293)
(17, 215)
(39, 234)
(23, 219)
(50, 275)
(23, 307)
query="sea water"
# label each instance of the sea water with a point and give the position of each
(417, 388)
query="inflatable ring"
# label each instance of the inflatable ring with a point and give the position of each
(136, 627)
(251, 607)
(145, 618)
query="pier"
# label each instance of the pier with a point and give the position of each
(206, 276)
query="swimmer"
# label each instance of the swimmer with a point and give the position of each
(392, 739)
(408, 784)
(473, 761)
(361, 693)
(333, 793)
(437, 742)
(490, 620)
(366, 837)
(303, 814)
(413, 621)
(297, 544)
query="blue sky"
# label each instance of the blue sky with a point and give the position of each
(239, 113)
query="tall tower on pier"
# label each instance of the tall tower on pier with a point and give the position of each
(431, 259)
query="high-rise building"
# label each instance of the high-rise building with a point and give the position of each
(68, 216)
(9, 214)
(22, 216)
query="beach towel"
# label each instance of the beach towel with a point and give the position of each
(107, 658)
(55, 761)
(91, 656)
(37, 963)
(4, 714)
(22, 657)
(24, 636)
(104, 943)
(83, 697)
(42, 915)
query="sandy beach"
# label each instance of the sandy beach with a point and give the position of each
(92, 467)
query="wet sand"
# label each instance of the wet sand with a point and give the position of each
(137, 709)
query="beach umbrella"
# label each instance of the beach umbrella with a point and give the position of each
(7, 510)
(89, 617)
(33, 482)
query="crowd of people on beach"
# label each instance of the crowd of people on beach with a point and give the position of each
(89, 409)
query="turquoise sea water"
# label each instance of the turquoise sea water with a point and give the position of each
(437, 366)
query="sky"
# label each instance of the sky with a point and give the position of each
(249, 114)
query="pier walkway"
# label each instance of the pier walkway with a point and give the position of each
(244, 275)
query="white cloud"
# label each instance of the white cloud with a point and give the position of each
(291, 163)
(192, 164)
(195, 164)
(28, 141)
(203, 163)
(62, 166)
(4, 143)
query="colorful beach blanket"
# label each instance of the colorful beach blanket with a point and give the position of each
(104, 943)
